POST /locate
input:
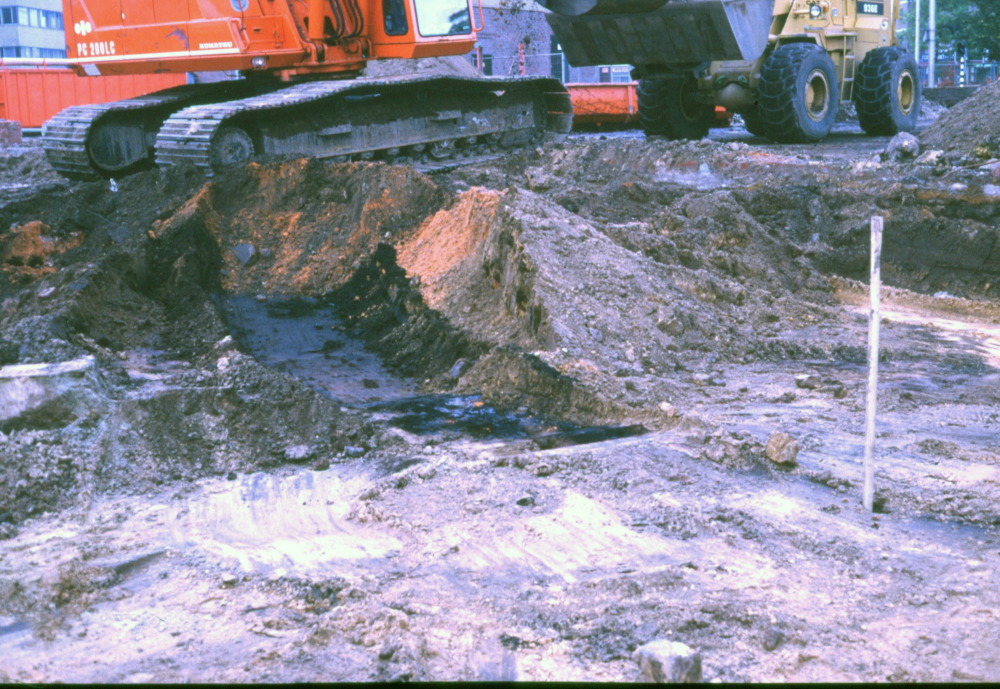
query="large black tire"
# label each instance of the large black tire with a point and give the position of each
(887, 92)
(666, 109)
(798, 96)
(753, 123)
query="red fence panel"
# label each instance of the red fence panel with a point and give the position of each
(33, 96)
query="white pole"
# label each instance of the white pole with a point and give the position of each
(916, 33)
(931, 44)
(874, 322)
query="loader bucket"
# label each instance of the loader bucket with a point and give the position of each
(659, 32)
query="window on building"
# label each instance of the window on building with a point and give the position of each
(26, 16)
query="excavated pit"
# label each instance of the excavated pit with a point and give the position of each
(354, 422)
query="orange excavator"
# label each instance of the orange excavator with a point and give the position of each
(299, 93)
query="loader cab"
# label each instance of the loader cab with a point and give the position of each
(423, 28)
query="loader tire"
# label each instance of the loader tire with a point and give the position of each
(887, 92)
(798, 96)
(666, 110)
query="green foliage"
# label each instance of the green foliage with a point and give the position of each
(977, 22)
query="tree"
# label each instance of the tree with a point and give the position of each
(976, 22)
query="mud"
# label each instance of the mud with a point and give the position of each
(356, 422)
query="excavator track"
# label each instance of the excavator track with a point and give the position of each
(68, 137)
(422, 116)
(433, 122)
(64, 137)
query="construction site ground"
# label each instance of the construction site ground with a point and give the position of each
(508, 421)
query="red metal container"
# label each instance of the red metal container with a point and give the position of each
(33, 96)
(616, 104)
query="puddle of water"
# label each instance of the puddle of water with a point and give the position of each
(306, 338)
(469, 416)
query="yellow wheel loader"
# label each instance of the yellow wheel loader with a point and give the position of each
(784, 65)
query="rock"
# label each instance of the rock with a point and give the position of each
(3, 438)
(782, 448)
(808, 381)
(701, 379)
(991, 190)
(46, 292)
(929, 158)
(299, 453)
(321, 465)
(459, 369)
(352, 451)
(773, 638)
(543, 469)
(370, 384)
(245, 253)
(390, 646)
(228, 579)
(902, 147)
(668, 409)
(7, 532)
(672, 326)
(427, 473)
(48, 395)
(670, 662)
(526, 501)
(231, 476)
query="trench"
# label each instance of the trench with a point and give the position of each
(309, 339)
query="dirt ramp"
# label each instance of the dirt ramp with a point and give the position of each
(300, 227)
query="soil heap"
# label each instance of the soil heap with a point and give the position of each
(971, 128)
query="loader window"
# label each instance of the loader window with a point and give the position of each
(443, 17)
(394, 12)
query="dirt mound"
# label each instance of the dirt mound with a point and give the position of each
(971, 128)
(543, 278)
(455, 66)
(300, 227)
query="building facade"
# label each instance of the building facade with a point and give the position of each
(32, 29)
